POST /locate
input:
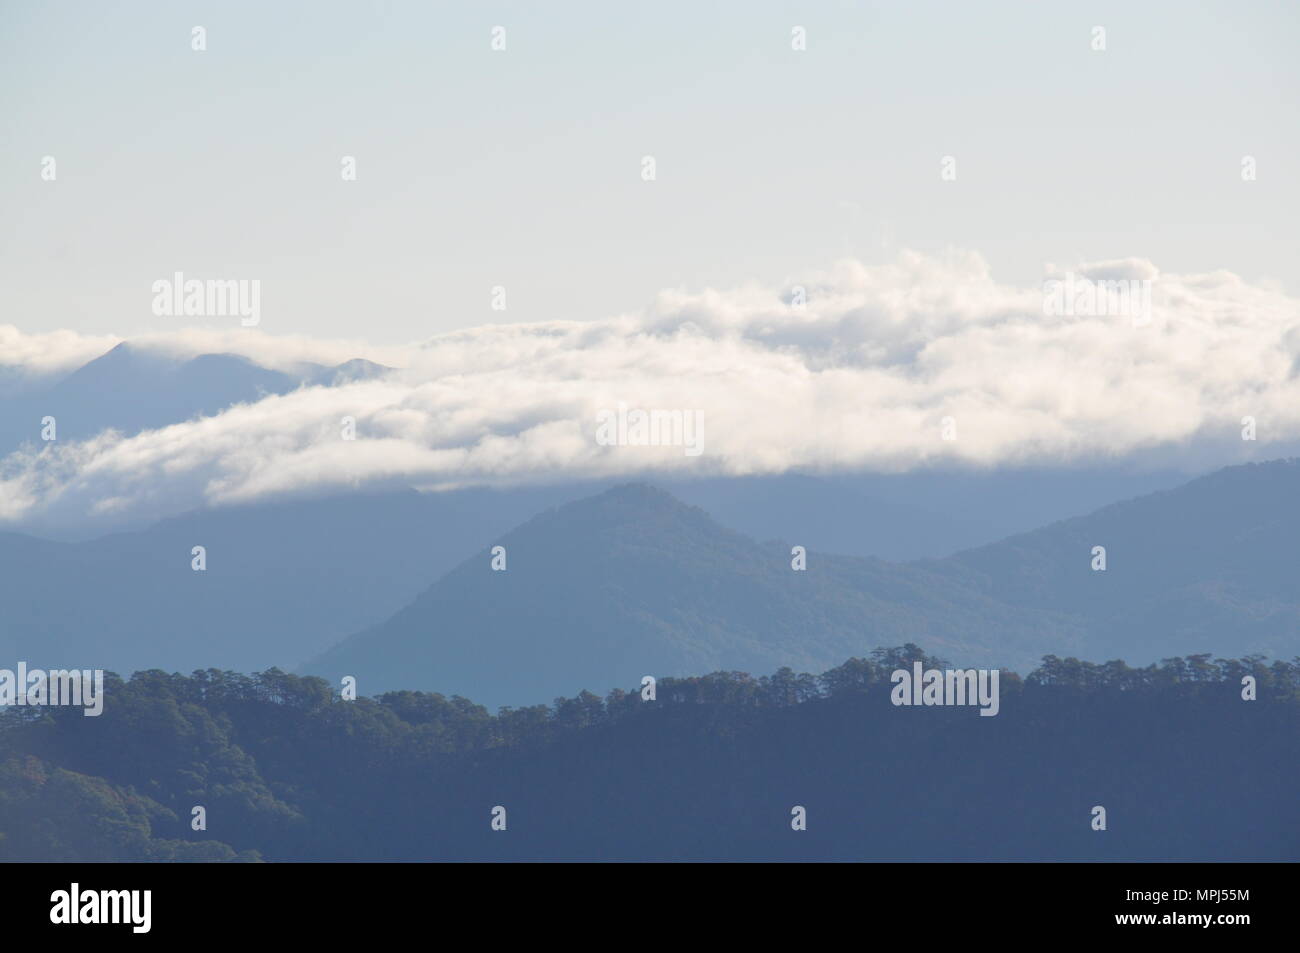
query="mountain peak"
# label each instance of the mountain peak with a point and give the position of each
(630, 504)
(358, 369)
(643, 493)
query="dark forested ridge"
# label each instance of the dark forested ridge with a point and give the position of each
(709, 770)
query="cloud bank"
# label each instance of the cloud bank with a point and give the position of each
(853, 368)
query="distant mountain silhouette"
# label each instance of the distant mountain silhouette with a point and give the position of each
(632, 582)
(284, 580)
(1211, 566)
(927, 513)
(353, 370)
(130, 390)
(838, 515)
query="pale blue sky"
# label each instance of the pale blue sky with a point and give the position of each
(522, 168)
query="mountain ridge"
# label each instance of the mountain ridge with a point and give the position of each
(1004, 604)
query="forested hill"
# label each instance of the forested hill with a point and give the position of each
(711, 769)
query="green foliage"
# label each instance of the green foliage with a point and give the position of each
(52, 814)
(288, 770)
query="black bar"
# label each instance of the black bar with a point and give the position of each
(962, 901)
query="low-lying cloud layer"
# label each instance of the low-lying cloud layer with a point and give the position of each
(854, 368)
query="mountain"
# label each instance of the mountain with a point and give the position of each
(838, 515)
(928, 513)
(1210, 566)
(284, 580)
(353, 370)
(131, 389)
(633, 582)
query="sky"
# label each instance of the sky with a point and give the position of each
(838, 262)
(522, 168)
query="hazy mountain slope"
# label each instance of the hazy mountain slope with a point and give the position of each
(633, 582)
(919, 514)
(1210, 566)
(283, 581)
(130, 390)
(834, 515)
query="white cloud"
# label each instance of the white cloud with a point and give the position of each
(24, 357)
(859, 378)
(31, 356)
